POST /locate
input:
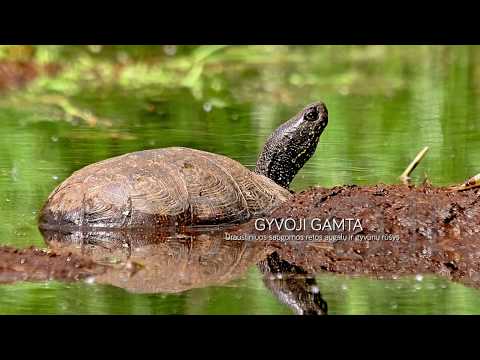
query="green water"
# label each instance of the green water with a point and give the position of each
(344, 295)
(385, 104)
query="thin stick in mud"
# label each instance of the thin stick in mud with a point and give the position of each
(405, 177)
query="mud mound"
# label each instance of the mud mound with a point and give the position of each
(437, 231)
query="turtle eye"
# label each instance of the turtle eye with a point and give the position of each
(311, 114)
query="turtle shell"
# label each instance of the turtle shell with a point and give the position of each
(169, 186)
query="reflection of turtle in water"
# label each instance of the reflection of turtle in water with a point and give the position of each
(152, 262)
(163, 263)
(185, 186)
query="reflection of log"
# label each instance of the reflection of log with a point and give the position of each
(293, 286)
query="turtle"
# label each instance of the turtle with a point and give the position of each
(178, 186)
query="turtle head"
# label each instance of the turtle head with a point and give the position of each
(292, 144)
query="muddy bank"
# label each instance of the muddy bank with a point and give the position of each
(33, 264)
(438, 231)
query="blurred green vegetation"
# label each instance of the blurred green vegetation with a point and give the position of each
(63, 107)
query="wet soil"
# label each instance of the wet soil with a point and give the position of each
(438, 231)
(33, 264)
